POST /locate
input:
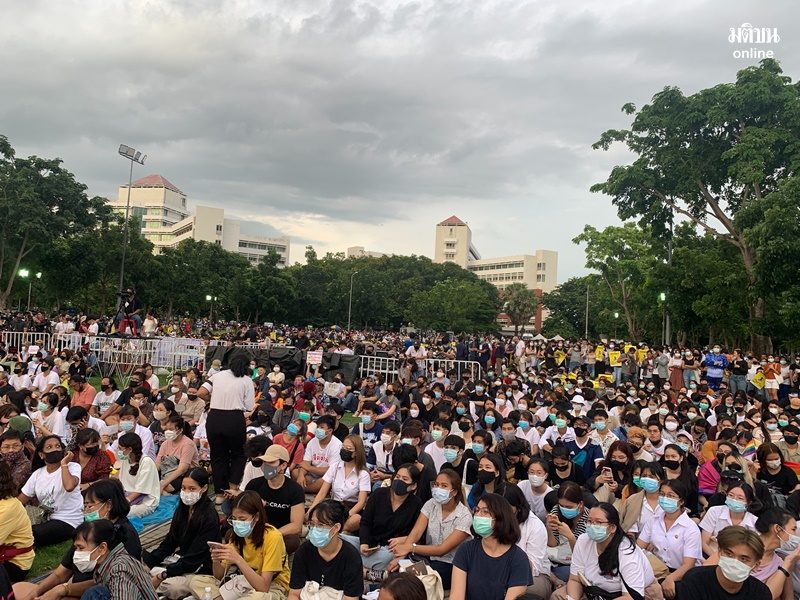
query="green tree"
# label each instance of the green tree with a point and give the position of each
(623, 256)
(519, 303)
(566, 308)
(456, 305)
(708, 156)
(40, 201)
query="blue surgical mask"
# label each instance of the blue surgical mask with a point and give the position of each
(320, 434)
(735, 505)
(126, 425)
(668, 505)
(479, 389)
(524, 424)
(478, 448)
(460, 410)
(489, 419)
(648, 484)
(599, 425)
(682, 446)
(597, 533)
(366, 419)
(242, 528)
(569, 513)
(319, 536)
(450, 454)
(292, 429)
(440, 495)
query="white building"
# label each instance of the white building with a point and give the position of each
(360, 252)
(166, 221)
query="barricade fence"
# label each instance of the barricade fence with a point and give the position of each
(389, 367)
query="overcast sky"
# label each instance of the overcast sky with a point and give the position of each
(365, 123)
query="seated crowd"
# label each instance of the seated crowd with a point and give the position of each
(525, 482)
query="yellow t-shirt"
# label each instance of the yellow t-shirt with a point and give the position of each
(270, 557)
(15, 530)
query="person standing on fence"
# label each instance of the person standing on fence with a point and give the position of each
(231, 397)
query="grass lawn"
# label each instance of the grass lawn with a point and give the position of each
(47, 559)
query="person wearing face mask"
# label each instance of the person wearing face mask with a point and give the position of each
(47, 378)
(772, 471)
(606, 561)
(16, 535)
(347, 480)
(321, 452)
(138, 475)
(585, 454)
(184, 552)
(715, 363)
(566, 521)
(788, 446)
(283, 498)
(128, 417)
(562, 468)
(672, 536)
(20, 380)
(455, 459)
(640, 502)
(276, 376)
(190, 407)
(535, 487)
(95, 464)
(613, 473)
(12, 453)
(254, 549)
(738, 498)
(177, 455)
(325, 560)
(55, 484)
(731, 579)
(491, 478)
(390, 513)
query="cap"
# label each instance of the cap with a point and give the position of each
(584, 419)
(578, 399)
(19, 423)
(275, 452)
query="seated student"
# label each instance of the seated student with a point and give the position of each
(78, 418)
(533, 541)
(566, 521)
(16, 535)
(369, 429)
(390, 513)
(454, 454)
(347, 480)
(477, 574)
(12, 452)
(50, 421)
(320, 453)
(454, 521)
(402, 586)
(491, 479)
(55, 484)
(185, 551)
(255, 548)
(638, 508)
(95, 465)
(608, 559)
(672, 536)
(284, 500)
(734, 512)
(562, 468)
(336, 411)
(773, 471)
(127, 424)
(534, 487)
(740, 552)
(104, 400)
(105, 499)
(379, 456)
(177, 454)
(138, 475)
(583, 451)
(435, 449)
(99, 549)
(324, 560)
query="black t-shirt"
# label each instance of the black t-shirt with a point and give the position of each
(784, 480)
(341, 432)
(739, 367)
(471, 464)
(126, 395)
(132, 546)
(344, 572)
(701, 583)
(278, 503)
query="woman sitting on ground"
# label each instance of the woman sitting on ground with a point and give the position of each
(255, 548)
(16, 535)
(177, 454)
(138, 475)
(95, 464)
(194, 524)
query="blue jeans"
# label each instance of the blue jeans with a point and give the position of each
(350, 402)
(713, 382)
(379, 559)
(560, 571)
(736, 383)
(97, 592)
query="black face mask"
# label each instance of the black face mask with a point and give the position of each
(790, 439)
(400, 487)
(346, 455)
(617, 465)
(485, 477)
(104, 386)
(54, 457)
(92, 450)
(463, 426)
(580, 431)
(133, 384)
(720, 457)
(634, 449)
(192, 396)
(673, 465)
(17, 371)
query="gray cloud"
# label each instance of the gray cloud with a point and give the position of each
(354, 123)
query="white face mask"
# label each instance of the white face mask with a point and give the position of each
(414, 412)
(386, 439)
(174, 389)
(170, 435)
(733, 569)
(276, 369)
(83, 561)
(671, 426)
(190, 498)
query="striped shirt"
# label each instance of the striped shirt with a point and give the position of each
(125, 577)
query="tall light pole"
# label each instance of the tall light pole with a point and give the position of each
(586, 331)
(350, 302)
(24, 274)
(667, 320)
(616, 317)
(134, 156)
(663, 297)
(211, 299)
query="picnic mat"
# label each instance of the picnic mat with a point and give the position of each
(166, 508)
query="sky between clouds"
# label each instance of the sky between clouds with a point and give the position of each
(365, 123)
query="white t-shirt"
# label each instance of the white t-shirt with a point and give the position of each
(633, 566)
(437, 454)
(533, 541)
(145, 481)
(154, 383)
(551, 435)
(231, 392)
(148, 446)
(42, 381)
(681, 541)
(322, 457)
(346, 488)
(48, 489)
(20, 382)
(103, 402)
(718, 518)
(536, 502)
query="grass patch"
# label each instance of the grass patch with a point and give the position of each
(48, 558)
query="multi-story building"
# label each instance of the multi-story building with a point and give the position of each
(166, 221)
(538, 271)
(360, 252)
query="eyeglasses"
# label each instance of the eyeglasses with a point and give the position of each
(483, 512)
(591, 522)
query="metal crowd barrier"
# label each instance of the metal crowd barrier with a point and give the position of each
(388, 367)
(23, 339)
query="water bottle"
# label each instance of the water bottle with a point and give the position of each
(207, 594)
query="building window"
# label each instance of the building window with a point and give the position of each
(450, 245)
(449, 256)
(540, 278)
(219, 229)
(541, 266)
(219, 243)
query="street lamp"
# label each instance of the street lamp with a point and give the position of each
(134, 156)
(616, 316)
(663, 297)
(350, 302)
(24, 274)
(211, 299)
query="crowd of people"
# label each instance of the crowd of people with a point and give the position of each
(561, 469)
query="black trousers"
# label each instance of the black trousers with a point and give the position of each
(52, 532)
(15, 574)
(226, 438)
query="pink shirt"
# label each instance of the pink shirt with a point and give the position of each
(183, 448)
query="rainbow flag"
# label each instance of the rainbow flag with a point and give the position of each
(750, 450)
(794, 467)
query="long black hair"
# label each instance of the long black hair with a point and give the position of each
(608, 561)
(134, 442)
(101, 531)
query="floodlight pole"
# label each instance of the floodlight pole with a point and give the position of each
(133, 157)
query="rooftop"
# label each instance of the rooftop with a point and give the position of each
(155, 181)
(452, 222)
